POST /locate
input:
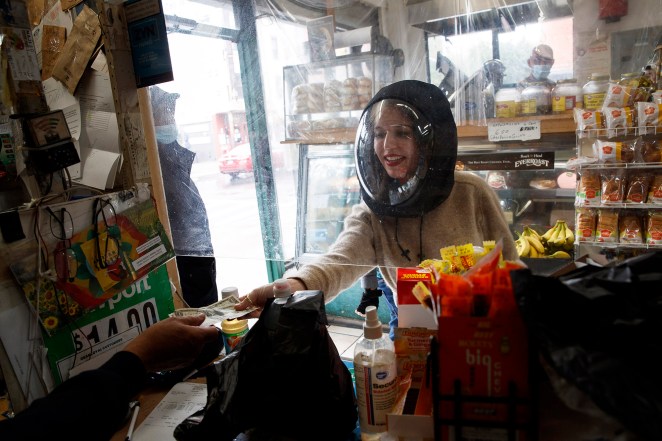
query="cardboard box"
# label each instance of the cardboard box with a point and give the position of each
(479, 360)
(411, 313)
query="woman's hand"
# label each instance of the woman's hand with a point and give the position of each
(258, 297)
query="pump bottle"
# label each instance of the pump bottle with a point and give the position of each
(376, 376)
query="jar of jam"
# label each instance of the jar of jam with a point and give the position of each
(535, 99)
(566, 96)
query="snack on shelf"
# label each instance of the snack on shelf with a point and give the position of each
(630, 228)
(364, 90)
(616, 151)
(618, 96)
(654, 228)
(588, 120)
(316, 97)
(585, 224)
(650, 149)
(619, 121)
(655, 190)
(613, 186)
(299, 98)
(637, 187)
(332, 100)
(349, 96)
(588, 187)
(606, 229)
(648, 117)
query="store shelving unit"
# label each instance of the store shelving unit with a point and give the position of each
(616, 249)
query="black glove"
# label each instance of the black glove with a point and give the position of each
(370, 297)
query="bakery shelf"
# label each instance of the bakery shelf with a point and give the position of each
(563, 123)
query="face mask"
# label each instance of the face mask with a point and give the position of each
(166, 134)
(540, 71)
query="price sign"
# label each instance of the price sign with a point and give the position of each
(513, 131)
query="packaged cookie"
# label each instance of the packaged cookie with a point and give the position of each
(619, 121)
(588, 187)
(648, 117)
(630, 228)
(585, 223)
(650, 149)
(621, 151)
(654, 228)
(618, 95)
(613, 186)
(637, 187)
(655, 190)
(588, 121)
(606, 229)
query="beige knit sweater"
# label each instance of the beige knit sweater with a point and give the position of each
(471, 214)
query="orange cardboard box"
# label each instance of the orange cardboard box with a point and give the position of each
(482, 357)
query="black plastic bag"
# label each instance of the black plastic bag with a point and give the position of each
(601, 329)
(291, 384)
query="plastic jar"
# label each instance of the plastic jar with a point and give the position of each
(566, 96)
(594, 91)
(506, 102)
(535, 99)
(233, 331)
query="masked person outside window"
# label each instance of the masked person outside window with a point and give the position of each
(189, 225)
(540, 62)
(413, 201)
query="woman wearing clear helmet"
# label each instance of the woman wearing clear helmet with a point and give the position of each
(413, 201)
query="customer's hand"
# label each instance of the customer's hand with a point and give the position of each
(258, 297)
(172, 343)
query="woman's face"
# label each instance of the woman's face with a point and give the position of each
(394, 143)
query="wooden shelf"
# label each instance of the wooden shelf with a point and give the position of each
(564, 123)
(548, 124)
(329, 136)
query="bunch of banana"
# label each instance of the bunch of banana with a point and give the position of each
(553, 243)
(536, 248)
(560, 237)
(523, 246)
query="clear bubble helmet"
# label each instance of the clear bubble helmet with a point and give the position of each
(406, 149)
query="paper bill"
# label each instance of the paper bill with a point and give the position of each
(216, 312)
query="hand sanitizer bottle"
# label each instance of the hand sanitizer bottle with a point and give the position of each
(376, 376)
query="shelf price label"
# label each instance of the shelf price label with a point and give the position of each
(513, 131)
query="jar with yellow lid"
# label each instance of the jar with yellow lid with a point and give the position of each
(233, 331)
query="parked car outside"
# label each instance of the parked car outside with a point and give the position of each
(238, 161)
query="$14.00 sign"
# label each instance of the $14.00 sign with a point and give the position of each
(513, 131)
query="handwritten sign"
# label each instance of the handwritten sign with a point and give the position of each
(513, 131)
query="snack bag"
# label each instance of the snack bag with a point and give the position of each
(655, 190)
(613, 186)
(648, 115)
(618, 121)
(607, 228)
(588, 187)
(585, 224)
(654, 228)
(630, 228)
